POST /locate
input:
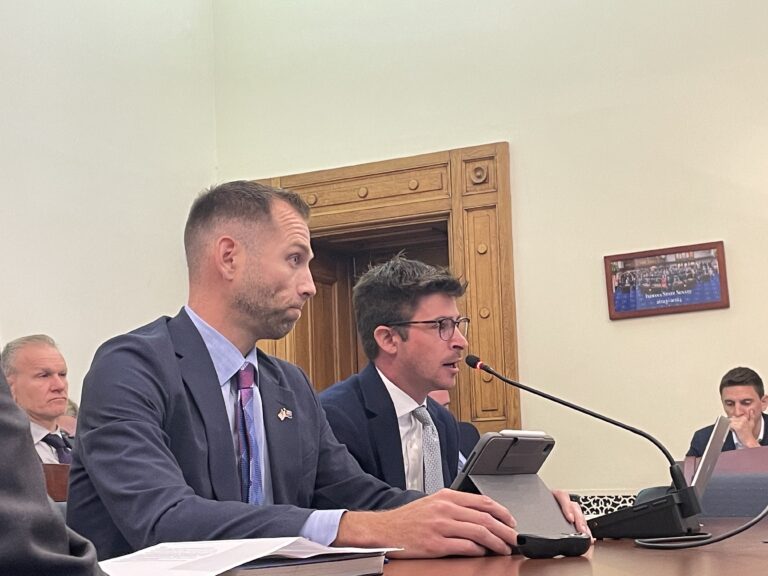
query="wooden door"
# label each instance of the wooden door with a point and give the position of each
(451, 207)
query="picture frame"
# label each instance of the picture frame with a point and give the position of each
(666, 281)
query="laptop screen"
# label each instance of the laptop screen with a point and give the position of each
(710, 456)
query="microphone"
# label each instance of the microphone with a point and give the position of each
(673, 514)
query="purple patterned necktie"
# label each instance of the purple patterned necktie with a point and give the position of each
(63, 450)
(248, 457)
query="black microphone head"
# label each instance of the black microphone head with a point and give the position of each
(472, 361)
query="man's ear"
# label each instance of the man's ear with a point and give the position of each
(226, 255)
(764, 402)
(11, 380)
(387, 339)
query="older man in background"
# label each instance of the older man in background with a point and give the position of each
(35, 539)
(37, 375)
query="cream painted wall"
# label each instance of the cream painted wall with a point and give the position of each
(107, 130)
(632, 125)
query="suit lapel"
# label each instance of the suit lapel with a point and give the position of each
(200, 378)
(385, 431)
(281, 419)
(764, 441)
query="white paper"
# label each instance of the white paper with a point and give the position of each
(216, 556)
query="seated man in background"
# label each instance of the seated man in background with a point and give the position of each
(414, 337)
(187, 431)
(743, 397)
(68, 420)
(37, 374)
(35, 540)
(442, 397)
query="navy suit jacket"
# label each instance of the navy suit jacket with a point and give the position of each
(701, 437)
(155, 459)
(362, 415)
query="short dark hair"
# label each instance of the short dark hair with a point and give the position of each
(390, 292)
(743, 377)
(241, 200)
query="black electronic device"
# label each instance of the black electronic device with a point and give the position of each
(674, 514)
(533, 546)
(504, 466)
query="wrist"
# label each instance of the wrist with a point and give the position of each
(357, 529)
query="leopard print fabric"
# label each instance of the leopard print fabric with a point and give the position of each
(598, 505)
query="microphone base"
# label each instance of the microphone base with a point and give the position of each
(675, 514)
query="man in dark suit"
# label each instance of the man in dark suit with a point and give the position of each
(744, 400)
(187, 432)
(34, 539)
(411, 330)
(409, 325)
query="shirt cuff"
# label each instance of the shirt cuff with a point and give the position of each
(322, 526)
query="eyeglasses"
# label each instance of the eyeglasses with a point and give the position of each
(446, 327)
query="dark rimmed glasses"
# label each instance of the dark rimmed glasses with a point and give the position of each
(446, 327)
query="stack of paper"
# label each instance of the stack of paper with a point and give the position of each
(273, 556)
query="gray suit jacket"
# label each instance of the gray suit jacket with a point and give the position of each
(155, 460)
(34, 539)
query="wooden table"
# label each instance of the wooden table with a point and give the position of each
(742, 555)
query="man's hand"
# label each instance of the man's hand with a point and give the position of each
(744, 427)
(443, 524)
(571, 511)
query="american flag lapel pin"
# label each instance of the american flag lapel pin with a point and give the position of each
(285, 413)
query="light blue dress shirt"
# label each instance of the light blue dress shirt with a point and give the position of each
(322, 526)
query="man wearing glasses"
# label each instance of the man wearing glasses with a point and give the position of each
(414, 336)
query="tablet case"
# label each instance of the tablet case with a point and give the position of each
(505, 468)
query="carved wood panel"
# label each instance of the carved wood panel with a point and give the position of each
(458, 199)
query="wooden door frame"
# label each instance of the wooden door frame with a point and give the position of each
(469, 188)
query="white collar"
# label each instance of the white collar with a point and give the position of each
(403, 403)
(38, 432)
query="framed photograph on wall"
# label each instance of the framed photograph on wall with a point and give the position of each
(666, 281)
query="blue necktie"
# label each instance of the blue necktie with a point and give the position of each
(249, 457)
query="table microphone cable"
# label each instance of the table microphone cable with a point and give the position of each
(675, 543)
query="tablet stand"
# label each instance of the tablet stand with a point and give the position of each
(527, 498)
